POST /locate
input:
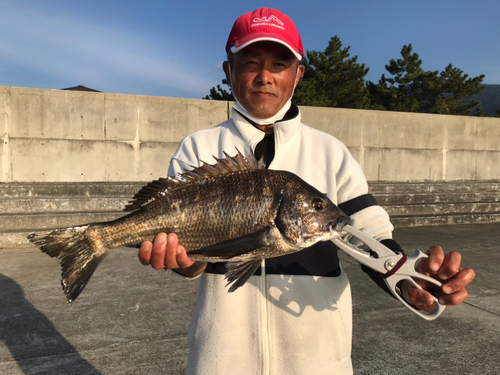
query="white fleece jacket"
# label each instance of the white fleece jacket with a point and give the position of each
(284, 322)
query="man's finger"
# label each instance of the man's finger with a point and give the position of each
(434, 262)
(182, 258)
(455, 298)
(459, 281)
(158, 252)
(171, 251)
(451, 265)
(417, 297)
(145, 252)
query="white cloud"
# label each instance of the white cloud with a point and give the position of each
(69, 48)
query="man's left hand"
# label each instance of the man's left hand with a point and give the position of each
(445, 268)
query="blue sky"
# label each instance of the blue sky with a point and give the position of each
(176, 48)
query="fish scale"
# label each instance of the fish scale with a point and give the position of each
(234, 210)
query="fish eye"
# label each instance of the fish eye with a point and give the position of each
(318, 204)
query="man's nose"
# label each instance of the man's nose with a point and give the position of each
(264, 76)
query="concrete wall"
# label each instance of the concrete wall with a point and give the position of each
(54, 135)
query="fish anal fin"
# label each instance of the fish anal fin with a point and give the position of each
(238, 273)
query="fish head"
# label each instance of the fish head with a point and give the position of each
(307, 216)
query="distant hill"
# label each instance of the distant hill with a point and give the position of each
(490, 99)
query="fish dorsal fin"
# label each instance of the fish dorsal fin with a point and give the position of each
(163, 186)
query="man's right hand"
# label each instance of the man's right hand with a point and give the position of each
(165, 252)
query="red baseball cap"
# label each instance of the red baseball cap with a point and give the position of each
(265, 24)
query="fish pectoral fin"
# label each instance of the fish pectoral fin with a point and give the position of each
(239, 272)
(236, 246)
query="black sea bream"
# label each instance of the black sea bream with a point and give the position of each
(234, 211)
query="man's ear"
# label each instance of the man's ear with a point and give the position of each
(226, 67)
(300, 73)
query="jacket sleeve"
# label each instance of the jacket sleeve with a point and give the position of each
(364, 210)
(354, 198)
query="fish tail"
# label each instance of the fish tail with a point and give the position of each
(79, 255)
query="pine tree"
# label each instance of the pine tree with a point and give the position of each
(220, 93)
(412, 89)
(456, 88)
(332, 79)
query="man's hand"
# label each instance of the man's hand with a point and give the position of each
(445, 268)
(165, 252)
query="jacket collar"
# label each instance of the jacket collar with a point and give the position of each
(284, 129)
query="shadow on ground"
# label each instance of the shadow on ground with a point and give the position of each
(31, 338)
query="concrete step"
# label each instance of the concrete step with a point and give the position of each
(40, 202)
(42, 221)
(388, 187)
(433, 220)
(431, 198)
(54, 205)
(32, 207)
(70, 189)
(14, 239)
(442, 209)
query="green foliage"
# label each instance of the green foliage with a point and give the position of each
(332, 79)
(220, 93)
(412, 89)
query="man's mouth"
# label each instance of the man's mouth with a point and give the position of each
(264, 93)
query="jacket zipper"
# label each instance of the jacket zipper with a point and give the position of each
(264, 321)
(263, 289)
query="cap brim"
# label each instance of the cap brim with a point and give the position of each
(246, 43)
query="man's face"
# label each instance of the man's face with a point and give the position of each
(263, 77)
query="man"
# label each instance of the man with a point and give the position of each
(294, 315)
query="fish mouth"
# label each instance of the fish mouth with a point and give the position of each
(341, 223)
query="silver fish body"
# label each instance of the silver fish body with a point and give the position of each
(234, 211)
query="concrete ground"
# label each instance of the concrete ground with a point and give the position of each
(133, 320)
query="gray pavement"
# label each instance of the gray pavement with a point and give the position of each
(133, 320)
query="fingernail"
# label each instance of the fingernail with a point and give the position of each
(434, 266)
(159, 239)
(170, 240)
(442, 301)
(447, 289)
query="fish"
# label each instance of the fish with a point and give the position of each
(233, 211)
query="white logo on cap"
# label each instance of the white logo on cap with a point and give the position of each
(270, 21)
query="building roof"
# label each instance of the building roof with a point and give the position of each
(81, 88)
